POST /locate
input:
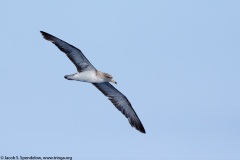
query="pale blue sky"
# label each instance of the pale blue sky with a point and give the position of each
(178, 62)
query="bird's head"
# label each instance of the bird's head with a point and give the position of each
(109, 78)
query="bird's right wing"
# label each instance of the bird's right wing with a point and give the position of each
(121, 103)
(73, 53)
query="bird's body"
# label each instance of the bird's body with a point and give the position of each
(88, 73)
(86, 76)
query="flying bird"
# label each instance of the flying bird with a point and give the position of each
(88, 73)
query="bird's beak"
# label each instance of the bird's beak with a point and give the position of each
(113, 81)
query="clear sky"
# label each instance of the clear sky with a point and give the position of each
(178, 62)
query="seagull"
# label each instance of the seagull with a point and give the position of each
(88, 73)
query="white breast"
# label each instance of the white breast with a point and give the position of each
(88, 76)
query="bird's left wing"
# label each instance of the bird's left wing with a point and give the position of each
(121, 103)
(73, 53)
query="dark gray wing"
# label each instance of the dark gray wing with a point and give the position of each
(121, 103)
(73, 53)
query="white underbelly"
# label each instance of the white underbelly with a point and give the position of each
(87, 76)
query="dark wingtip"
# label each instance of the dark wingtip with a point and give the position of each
(47, 36)
(140, 128)
(137, 124)
(43, 33)
(143, 131)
